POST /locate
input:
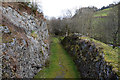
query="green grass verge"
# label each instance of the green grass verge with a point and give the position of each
(61, 64)
(111, 55)
(104, 12)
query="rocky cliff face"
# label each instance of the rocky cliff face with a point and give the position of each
(25, 42)
(89, 59)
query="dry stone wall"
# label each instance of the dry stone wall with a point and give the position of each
(25, 43)
(89, 60)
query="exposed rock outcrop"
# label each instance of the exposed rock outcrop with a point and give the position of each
(25, 43)
(89, 59)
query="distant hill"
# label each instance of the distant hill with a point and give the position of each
(99, 24)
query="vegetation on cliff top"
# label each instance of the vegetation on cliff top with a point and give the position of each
(111, 55)
(104, 12)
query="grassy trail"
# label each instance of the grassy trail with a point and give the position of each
(61, 64)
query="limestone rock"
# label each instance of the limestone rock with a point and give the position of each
(22, 56)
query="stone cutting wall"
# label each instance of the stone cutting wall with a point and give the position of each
(89, 60)
(25, 43)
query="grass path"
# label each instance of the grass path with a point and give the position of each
(61, 64)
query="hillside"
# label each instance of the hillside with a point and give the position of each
(101, 25)
(105, 25)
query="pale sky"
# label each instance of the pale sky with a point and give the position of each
(56, 8)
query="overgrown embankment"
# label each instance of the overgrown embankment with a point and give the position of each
(60, 65)
(89, 58)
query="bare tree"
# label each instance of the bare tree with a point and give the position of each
(67, 14)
